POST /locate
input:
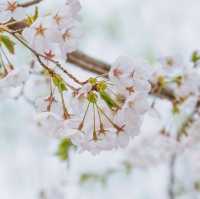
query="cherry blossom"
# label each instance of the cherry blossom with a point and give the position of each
(48, 103)
(70, 37)
(41, 36)
(102, 117)
(9, 9)
(56, 34)
(48, 123)
(64, 14)
(130, 76)
(189, 83)
(15, 77)
(155, 149)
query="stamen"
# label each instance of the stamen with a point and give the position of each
(101, 127)
(40, 30)
(11, 6)
(57, 19)
(83, 120)
(66, 115)
(130, 89)
(94, 127)
(66, 35)
(117, 72)
(118, 128)
(51, 98)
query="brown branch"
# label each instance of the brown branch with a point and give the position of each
(29, 3)
(17, 25)
(88, 63)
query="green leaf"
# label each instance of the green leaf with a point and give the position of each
(63, 149)
(109, 101)
(59, 83)
(36, 14)
(195, 57)
(8, 43)
(31, 19)
(89, 177)
(197, 185)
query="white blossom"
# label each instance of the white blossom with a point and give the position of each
(15, 77)
(48, 123)
(9, 9)
(41, 36)
(190, 83)
(151, 150)
(104, 117)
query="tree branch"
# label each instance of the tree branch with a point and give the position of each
(29, 3)
(88, 63)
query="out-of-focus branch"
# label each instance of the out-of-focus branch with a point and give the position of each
(188, 122)
(88, 63)
(29, 3)
(17, 25)
(171, 185)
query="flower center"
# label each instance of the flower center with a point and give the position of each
(11, 6)
(117, 72)
(66, 35)
(130, 89)
(131, 104)
(57, 19)
(40, 30)
(49, 55)
(169, 61)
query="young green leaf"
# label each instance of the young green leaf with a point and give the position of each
(31, 19)
(195, 57)
(109, 101)
(59, 83)
(63, 149)
(8, 43)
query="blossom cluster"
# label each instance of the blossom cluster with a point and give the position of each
(56, 33)
(103, 114)
(180, 77)
(100, 113)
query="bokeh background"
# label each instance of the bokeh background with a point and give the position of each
(138, 28)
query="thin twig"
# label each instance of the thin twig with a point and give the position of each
(171, 192)
(39, 56)
(29, 3)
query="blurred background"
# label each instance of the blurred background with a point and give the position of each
(29, 167)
